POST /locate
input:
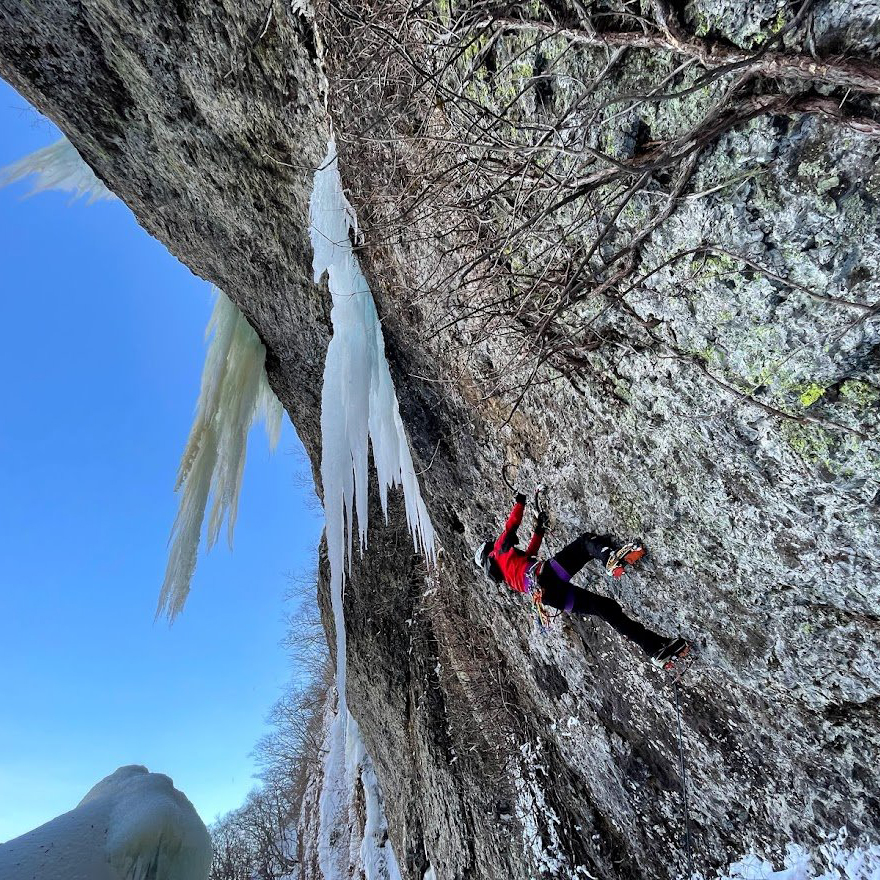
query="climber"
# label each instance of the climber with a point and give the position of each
(548, 581)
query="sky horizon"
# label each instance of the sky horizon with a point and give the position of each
(105, 346)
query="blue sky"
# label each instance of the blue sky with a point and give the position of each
(101, 359)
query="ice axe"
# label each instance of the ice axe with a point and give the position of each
(540, 494)
(540, 499)
(504, 477)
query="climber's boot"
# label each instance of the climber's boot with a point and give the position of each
(628, 554)
(672, 651)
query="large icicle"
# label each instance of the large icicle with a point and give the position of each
(58, 166)
(358, 407)
(132, 825)
(234, 394)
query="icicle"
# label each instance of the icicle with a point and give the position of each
(359, 401)
(234, 394)
(358, 409)
(58, 166)
(132, 825)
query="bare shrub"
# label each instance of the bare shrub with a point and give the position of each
(258, 840)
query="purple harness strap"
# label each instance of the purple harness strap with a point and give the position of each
(564, 576)
(561, 573)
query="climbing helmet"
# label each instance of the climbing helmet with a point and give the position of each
(481, 557)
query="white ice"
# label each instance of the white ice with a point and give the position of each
(58, 166)
(359, 410)
(234, 394)
(837, 858)
(133, 825)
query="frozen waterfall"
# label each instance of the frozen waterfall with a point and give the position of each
(358, 408)
(133, 825)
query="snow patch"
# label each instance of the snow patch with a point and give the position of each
(359, 410)
(58, 166)
(537, 819)
(836, 859)
(132, 825)
(234, 394)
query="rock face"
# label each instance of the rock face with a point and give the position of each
(207, 121)
(724, 408)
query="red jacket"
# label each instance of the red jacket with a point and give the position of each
(511, 560)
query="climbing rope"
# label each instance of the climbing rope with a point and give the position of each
(682, 771)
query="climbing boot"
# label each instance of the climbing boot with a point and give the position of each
(626, 555)
(634, 555)
(673, 650)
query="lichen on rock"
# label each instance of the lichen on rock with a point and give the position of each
(663, 308)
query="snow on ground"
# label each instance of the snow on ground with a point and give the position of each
(836, 859)
(358, 410)
(58, 166)
(234, 394)
(133, 825)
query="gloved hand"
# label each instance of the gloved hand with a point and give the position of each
(542, 520)
(520, 498)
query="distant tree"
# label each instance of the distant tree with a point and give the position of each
(258, 841)
(232, 852)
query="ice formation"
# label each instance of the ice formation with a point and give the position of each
(58, 166)
(358, 410)
(835, 859)
(234, 394)
(133, 825)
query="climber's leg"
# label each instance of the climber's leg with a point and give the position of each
(558, 593)
(572, 558)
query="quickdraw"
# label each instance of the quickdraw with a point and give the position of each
(545, 617)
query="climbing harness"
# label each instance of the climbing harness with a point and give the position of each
(545, 617)
(682, 771)
(530, 578)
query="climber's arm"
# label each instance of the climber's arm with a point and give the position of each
(507, 538)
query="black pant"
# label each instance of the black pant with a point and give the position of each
(559, 592)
